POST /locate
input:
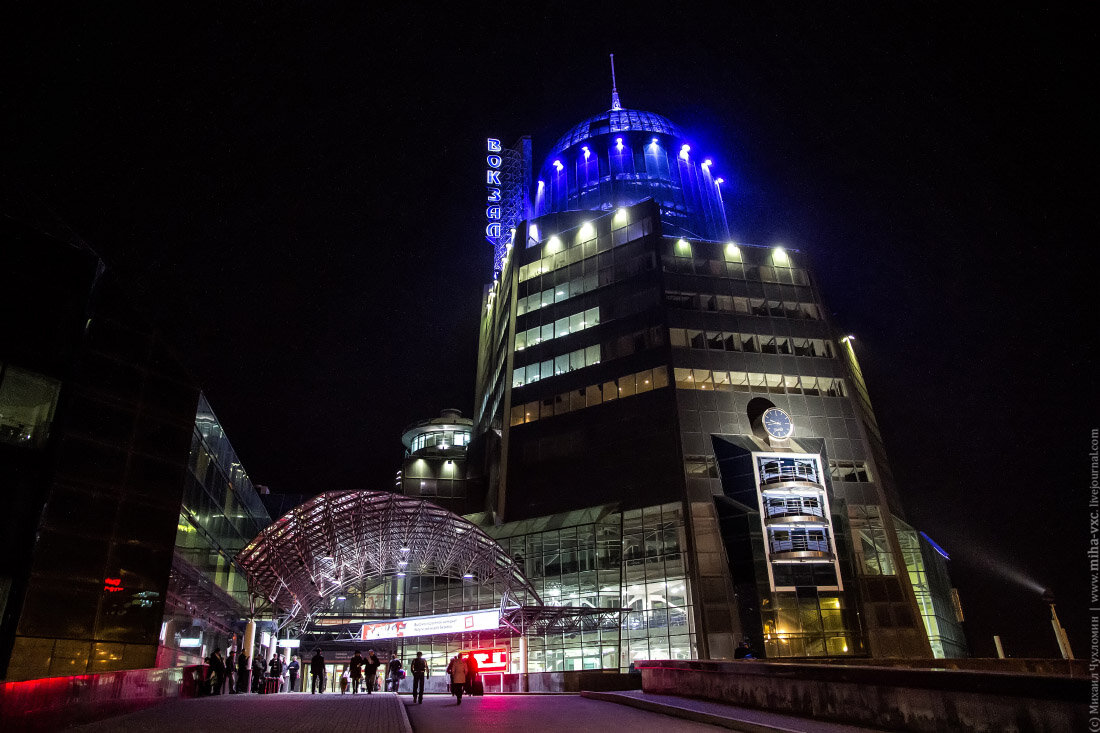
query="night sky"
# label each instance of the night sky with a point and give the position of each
(296, 197)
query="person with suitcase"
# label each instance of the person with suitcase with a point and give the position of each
(393, 675)
(474, 686)
(457, 669)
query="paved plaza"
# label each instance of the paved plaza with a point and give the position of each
(387, 713)
(383, 713)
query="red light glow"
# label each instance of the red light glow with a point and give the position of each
(490, 660)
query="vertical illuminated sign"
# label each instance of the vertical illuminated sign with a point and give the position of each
(493, 162)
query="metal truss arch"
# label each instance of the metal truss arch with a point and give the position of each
(317, 549)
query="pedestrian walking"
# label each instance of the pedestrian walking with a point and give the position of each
(370, 669)
(393, 675)
(471, 675)
(231, 672)
(292, 670)
(457, 669)
(275, 671)
(258, 674)
(317, 672)
(356, 671)
(420, 671)
(217, 672)
(242, 672)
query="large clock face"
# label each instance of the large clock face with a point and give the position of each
(778, 423)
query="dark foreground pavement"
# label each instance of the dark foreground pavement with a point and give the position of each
(387, 713)
(539, 714)
(297, 712)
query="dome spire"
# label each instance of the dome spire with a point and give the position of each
(614, 92)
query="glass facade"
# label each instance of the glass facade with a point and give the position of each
(221, 511)
(932, 588)
(624, 156)
(27, 403)
(633, 560)
(443, 439)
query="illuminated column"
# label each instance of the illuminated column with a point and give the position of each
(523, 661)
(249, 649)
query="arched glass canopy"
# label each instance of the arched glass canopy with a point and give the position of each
(310, 554)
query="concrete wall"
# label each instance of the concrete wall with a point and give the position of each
(882, 697)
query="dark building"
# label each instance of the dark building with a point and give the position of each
(633, 357)
(115, 543)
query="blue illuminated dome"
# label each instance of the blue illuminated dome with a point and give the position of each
(623, 156)
(616, 120)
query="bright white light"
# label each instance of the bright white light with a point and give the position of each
(719, 180)
(586, 232)
(619, 143)
(558, 165)
(587, 152)
(706, 163)
(654, 141)
(684, 150)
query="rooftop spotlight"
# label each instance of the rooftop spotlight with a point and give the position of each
(654, 141)
(618, 143)
(719, 180)
(684, 150)
(707, 163)
(542, 183)
(558, 165)
(587, 152)
(849, 337)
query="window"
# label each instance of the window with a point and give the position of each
(27, 402)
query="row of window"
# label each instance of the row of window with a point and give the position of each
(799, 540)
(736, 270)
(595, 394)
(614, 348)
(754, 343)
(558, 293)
(586, 244)
(722, 381)
(745, 306)
(560, 364)
(850, 471)
(443, 439)
(794, 468)
(561, 327)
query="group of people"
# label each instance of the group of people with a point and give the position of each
(232, 674)
(360, 671)
(463, 672)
